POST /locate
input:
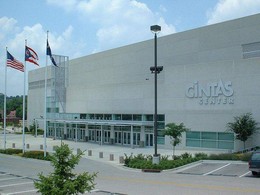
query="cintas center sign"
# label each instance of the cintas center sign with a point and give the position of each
(211, 93)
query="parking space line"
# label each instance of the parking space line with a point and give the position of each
(245, 174)
(16, 184)
(217, 169)
(189, 167)
(21, 192)
(12, 178)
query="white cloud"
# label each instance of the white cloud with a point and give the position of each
(36, 39)
(231, 9)
(120, 22)
(7, 25)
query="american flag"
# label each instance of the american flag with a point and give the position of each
(13, 63)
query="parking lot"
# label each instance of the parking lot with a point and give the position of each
(11, 184)
(218, 168)
(15, 184)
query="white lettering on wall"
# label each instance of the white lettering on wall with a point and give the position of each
(212, 93)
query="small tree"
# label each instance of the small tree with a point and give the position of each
(62, 181)
(244, 126)
(175, 132)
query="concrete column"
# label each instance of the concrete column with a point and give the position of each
(112, 135)
(132, 137)
(55, 130)
(101, 138)
(36, 128)
(76, 132)
(86, 131)
(65, 128)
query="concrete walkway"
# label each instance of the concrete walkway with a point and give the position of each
(105, 153)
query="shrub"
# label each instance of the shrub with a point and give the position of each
(246, 157)
(177, 157)
(37, 155)
(39, 132)
(141, 161)
(164, 157)
(186, 155)
(11, 151)
(201, 155)
(127, 159)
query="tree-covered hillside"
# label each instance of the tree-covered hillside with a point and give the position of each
(13, 103)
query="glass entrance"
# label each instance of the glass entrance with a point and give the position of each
(126, 138)
(98, 135)
(92, 135)
(81, 134)
(106, 136)
(71, 133)
(149, 139)
(118, 137)
(136, 138)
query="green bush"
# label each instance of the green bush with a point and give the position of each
(39, 131)
(201, 155)
(11, 151)
(37, 155)
(246, 157)
(186, 155)
(141, 161)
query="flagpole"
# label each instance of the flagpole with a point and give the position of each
(45, 102)
(24, 79)
(5, 101)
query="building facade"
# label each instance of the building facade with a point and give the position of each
(210, 75)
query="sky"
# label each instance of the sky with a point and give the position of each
(83, 27)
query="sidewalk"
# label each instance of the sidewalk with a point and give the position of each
(111, 153)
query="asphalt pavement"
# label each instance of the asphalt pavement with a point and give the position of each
(203, 177)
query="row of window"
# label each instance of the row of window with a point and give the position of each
(218, 140)
(124, 117)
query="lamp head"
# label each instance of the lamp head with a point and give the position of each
(155, 28)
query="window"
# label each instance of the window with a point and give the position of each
(136, 128)
(203, 139)
(160, 138)
(160, 117)
(126, 117)
(91, 116)
(118, 117)
(251, 50)
(83, 116)
(137, 117)
(148, 117)
(107, 116)
(99, 116)
(209, 135)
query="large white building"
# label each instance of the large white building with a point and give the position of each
(211, 74)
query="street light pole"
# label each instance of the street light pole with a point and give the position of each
(156, 70)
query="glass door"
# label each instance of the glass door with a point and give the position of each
(91, 135)
(149, 139)
(118, 137)
(126, 138)
(106, 136)
(98, 135)
(136, 137)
